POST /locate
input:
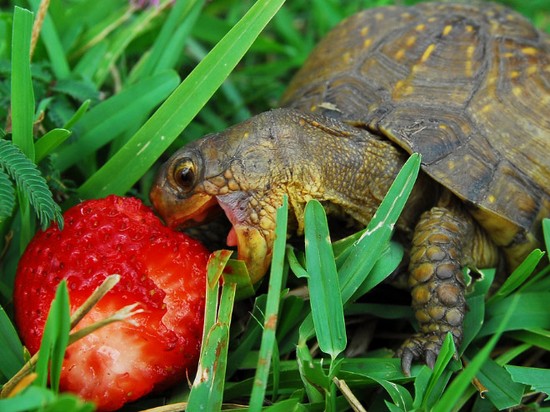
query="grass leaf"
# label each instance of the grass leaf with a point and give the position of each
(537, 378)
(47, 143)
(11, 349)
(55, 339)
(268, 341)
(372, 243)
(141, 151)
(22, 95)
(325, 297)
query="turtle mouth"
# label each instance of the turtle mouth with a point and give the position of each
(253, 247)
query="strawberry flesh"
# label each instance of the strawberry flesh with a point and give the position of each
(162, 270)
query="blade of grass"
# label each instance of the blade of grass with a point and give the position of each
(11, 349)
(502, 391)
(54, 340)
(142, 150)
(207, 390)
(171, 39)
(324, 289)
(53, 45)
(370, 246)
(518, 277)
(271, 310)
(533, 313)
(22, 95)
(457, 387)
(536, 378)
(108, 119)
(372, 243)
(47, 143)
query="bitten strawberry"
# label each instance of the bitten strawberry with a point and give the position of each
(161, 269)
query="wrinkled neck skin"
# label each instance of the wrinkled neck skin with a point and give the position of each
(305, 157)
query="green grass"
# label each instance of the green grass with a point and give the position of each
(112, 91)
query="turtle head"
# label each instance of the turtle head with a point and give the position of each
(236, 171)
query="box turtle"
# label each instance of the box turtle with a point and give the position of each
(467, 87)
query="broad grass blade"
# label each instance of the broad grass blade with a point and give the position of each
(325, 298)
(269, 340)
(151, 140)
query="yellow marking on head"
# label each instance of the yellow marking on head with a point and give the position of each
(365, 31)
(410, 41)
(529, 51)
(400, 54)
(420, 27)
(447, 29)
(429, 50)
(367, 43)
(517, 91)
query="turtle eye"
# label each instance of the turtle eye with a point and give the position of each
(184, 174)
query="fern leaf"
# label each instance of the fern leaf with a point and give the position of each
(29, 181)
(7, 196)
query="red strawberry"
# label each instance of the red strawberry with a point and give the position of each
(161, 269)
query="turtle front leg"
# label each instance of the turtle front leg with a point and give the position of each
(442, 245)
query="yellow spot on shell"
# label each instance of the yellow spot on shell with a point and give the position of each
(427, 53)
(245, 135)
(410, 41)
(400, 54)
(313, 108)
(529, 51)
(517, 91)
(532, 70)
(447, 29)
(514, 74)
(346, 57)
(491, 199)
(469, 28)
(469, 60)
(379, 16)
(486, 108)
(365, 31)
(432, 19)
(420, 27)
(451, 165)
(443, 126)
(367, 43)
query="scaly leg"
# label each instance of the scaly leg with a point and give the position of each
(441, 247)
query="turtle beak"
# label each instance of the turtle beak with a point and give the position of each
(179, 214)
(254, 244)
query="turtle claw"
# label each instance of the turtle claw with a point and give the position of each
(420, 347)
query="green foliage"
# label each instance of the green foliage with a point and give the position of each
(110, 88)
(29, 181)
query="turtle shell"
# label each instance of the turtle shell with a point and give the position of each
(467, 87)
